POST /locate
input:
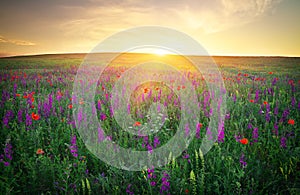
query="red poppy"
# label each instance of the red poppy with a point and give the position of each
(18, 95)
(265, 102)
(291, 82)
(137, 124)
(186, 191)
(291, 122)
(270, 72)
(252, 101)
(70, 106)
(244, 141)
(60, 93)
(245, 75)
(81, 101)
(40, 151)
(35, 116)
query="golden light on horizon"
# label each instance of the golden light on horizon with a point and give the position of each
(160, 52)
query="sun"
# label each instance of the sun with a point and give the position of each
(153, 50)
(160, 52)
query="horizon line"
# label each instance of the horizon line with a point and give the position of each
(168, 54)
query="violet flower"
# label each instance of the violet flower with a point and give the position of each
(255, 134)
(73, 147)
(242, 161)
(283, 142)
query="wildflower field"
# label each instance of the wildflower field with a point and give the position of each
(257, 150)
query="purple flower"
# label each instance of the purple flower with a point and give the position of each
(165, 183)
(7, 156)
(227, 116)
(46, 109)
(271, 91)
(234, 98)
(145, 141)
(5, 96)
(99, 105)
(152, 183)
(198, 128)
(274, 81)
(73, 147)
(102, 117)
(238, 137)
(255, 134)
(186, 156)
(209, 133)
(7, 117)
(283, 142)
(275, 129)
(20, 116)
(285, 114)
(128, 191)
(242, 161)
(28, 121)
(15, 89)
(50, 101)
(187, 130)
(156, 142)
(268, 117)
(293, 101)
(128, 109)
(149, 148)
(221, 132)
(100, 135)
(151, 174)
(8, 151)
(73, 186)
(256, 96)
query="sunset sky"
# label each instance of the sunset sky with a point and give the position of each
(223, 27)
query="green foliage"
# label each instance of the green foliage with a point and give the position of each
(271, 168)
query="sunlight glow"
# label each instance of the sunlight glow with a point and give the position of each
(160, 52)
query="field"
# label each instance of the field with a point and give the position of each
(256, 151)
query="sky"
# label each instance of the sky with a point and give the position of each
(222, 27)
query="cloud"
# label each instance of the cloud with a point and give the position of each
(16, 42)
(101, 18)
(220, 15)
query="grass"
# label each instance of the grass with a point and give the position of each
(263, 106)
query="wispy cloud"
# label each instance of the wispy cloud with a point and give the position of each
(16, 42)
(219, 15)
(103, 17)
